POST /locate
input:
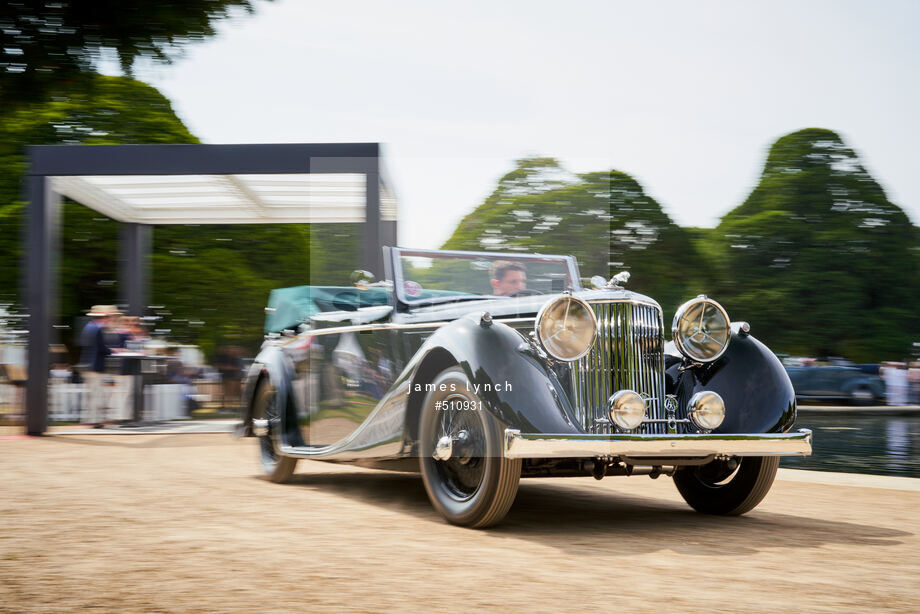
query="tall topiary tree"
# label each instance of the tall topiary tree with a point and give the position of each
(818, 258)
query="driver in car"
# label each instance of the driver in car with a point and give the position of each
(508, 277)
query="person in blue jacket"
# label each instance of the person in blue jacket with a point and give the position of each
(92, 362)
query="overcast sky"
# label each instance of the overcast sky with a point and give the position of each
(684, 96)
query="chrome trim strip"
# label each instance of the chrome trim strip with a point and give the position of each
(390, 326)
(360, 327)
(510, 321)
(621, 301)
(539, 445)
(386, 449)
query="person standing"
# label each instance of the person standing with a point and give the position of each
(895, 376)
(124, 334)
(913, 379)
(92, 362)
(900, 383)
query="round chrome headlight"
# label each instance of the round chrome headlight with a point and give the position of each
(706, 410)
(626, 409)
(701, 329)
(566, 327)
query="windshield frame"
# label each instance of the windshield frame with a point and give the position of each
(396, 254)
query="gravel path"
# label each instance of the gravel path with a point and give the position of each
(175, 523)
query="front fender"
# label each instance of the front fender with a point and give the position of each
(758, 394)
(513, 382)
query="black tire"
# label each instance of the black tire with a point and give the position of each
(476, 486)
(862, 396)
(716, 489)
(277, 467)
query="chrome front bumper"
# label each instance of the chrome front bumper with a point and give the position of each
(538, 445)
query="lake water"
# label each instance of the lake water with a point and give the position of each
(878, 444)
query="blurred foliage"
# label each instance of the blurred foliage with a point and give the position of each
(604, 219)
(334, 250)
(211, 282)
(453, 275)
(120, 110)
(817, 258)
(52, 48)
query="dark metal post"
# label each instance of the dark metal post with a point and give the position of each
(134, 244)
(134, 267)
(41, 292)
(388, 234)
(373, 256)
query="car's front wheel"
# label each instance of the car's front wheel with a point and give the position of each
(862, 396)
(277, 467)
(725, 488)
(468, 479)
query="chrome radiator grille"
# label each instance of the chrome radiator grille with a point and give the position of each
(628, 353)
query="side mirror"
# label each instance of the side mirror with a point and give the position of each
(362, 279)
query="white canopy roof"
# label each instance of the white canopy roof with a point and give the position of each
(306, 198)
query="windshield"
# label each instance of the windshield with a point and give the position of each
(441, 276)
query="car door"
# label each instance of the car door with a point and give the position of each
(352, 363)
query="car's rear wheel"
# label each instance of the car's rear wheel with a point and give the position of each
(721, 488)
(277, 467)
(468, 479)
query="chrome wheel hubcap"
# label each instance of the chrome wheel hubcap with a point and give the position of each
(459, 449)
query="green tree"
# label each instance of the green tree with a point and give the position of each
(119, 110)
(604, 219)
(818, 258)
(212, 282)
(52, 47)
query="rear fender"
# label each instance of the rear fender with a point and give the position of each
(273, 366)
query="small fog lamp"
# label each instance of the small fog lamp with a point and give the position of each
(626, 409)
(707, 410)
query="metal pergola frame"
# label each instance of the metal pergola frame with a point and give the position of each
(42, 229)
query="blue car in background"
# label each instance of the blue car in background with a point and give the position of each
(838, 381)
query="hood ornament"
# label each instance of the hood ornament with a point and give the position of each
(601, 284)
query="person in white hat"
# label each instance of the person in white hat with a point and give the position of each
(92, 362)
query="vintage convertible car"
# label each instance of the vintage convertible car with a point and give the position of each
(477, 369)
